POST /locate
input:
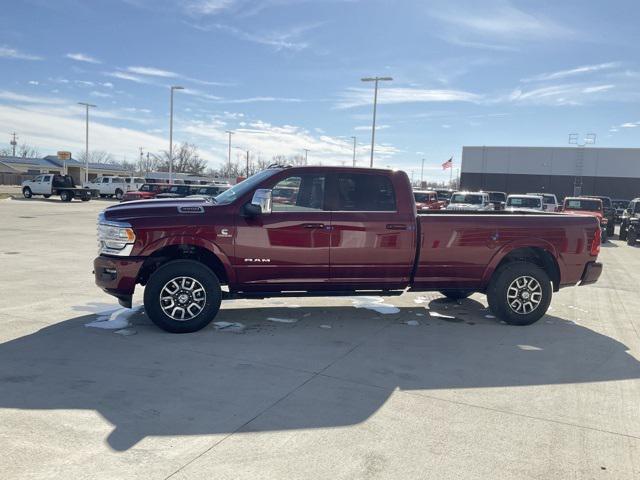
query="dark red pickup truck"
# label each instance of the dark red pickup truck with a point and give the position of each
(343, 231)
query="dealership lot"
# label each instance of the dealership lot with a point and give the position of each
(311, 388)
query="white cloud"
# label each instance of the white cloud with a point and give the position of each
(7, 52)
(280, 40)
(82, 57)
(630, 125)
(100, 94)
(585, 69)
(153, 72)
(33, 82)
(127, 76)
(561, 94)
(367, 128)
(19, 98)
(262, 99)
(355, 97)
(597, 88)
(207, 7)
(107, 84)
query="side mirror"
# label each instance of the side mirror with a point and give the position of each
(260, 203)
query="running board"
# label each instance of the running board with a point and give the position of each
(315, 293)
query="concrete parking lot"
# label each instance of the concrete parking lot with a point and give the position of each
(311, 388)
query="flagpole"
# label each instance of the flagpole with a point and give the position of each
(451, 173)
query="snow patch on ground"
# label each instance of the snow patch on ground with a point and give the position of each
(412, 323)
(282, 320)
(126, 332)
(529, 348)
(489, 316)
(421, 300)
(117, 320)
(229, 326)
(374, 303)
(325, 326)
(440, 315)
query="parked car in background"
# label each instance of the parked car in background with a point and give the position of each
(550, 201)
(444, 194)
(587, 206)
(351, 231)
(176, 191)
(470, 201)
(52, 184)
(146, 192)
(525, 203)
(114, 186)
(631, 212)
(207, 191)
(497, 199)
(608, 212)
(620, 206)
(427, 200)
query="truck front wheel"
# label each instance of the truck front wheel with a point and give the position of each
(623, 232)
(632, 236)
(520, 293)
(182, 296)
(26, 192)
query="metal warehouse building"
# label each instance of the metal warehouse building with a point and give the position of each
(565, 171)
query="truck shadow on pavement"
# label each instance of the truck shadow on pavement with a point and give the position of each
(333, 367)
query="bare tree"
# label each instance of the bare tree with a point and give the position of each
(185, 160)
(96, 156)
(22, 151)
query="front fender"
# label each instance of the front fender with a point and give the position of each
(195, 241)
(509, 247)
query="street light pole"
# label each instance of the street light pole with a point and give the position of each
(422, 173)
(354, 151)
(306, 156)
(230, 133)
(86, 140)
(375, 106)
(173, 88)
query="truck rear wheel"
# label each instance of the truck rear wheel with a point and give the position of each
(46, 195)
(632, 236)
(520, 293)
(66, 196)
(119, 194)
(26, 192)
(182, 296)
(456, 294)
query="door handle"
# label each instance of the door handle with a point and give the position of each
(313, 225)
(396, 226)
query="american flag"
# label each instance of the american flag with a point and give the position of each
(448, 164)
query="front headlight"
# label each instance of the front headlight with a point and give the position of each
(115, 238)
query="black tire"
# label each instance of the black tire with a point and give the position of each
(173, 270)
(456, 294)
(26, 192)
(604, 236)
(623, 232)
(632, 236)
(85, 199)
(498, 290)
(611, 228)
(46, 195)
(66, 196)
(119, 194)
(102, 196)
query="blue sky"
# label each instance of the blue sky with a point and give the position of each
(285, 75)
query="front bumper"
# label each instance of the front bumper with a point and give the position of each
(591, 273)
(117, 276)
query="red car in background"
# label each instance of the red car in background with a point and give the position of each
(592, 207)
(146, 191)
(428, 200)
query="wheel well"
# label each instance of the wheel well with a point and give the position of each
(537, 256)
(182, 252)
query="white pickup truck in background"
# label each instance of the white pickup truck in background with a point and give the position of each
(110, 186)
(52, 184)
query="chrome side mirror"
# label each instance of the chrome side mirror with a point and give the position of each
(262, 198)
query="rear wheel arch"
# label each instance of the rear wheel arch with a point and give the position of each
(183, 251)
(536, 255)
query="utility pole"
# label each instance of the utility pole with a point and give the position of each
(306, 155)
(375, 105)
(422, 173)
(86, 140)
(354, 151)
(146, 169)
(247, 163)
(173, 88)
(229, 159)
(14, 143)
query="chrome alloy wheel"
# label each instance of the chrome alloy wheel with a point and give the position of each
(524, 295)
(182, 298)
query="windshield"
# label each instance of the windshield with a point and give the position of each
(623, 204)
(606, 202)
(239, 189)
(443, 195)
(474, 199)
(423, 197)
(497, 196)
(586, 204)
(524, 202)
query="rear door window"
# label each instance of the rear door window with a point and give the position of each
(362, 192)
